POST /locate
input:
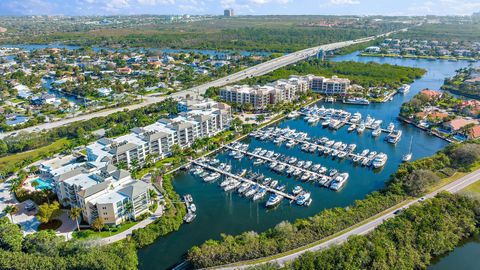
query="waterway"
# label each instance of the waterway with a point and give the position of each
(462, 257)
(220, 212)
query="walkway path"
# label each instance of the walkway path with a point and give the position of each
(367, 227)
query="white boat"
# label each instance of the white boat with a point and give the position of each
(244, 187)
(212, 177)
(300, 163)
(303, 198)
(352, 127)
(260, 194)
(293, 114)
(372, 154)
(356, 117)
(342, 154)
(274, 184)
(291, 143)
(307, 164)
(297, 172)
(329, 143)
(376, 132)
(290, 170)
(408, 156)
(336, 145)
(391, 127)
(364, 152)
(239, 155)
(192, 207)
(322, 170)
(376, 124)
(316, 167)
(313, 120)
(326, 122)
(273, 165)
(233, 185)
(405, 88)
(189, 217)
(296, 190)
(251, 191)
(361, 128)
(258, 161)
(226, 182)
(292, 160)
(339, 181)
(351, 147)
(380, 160)
(305, 176)
(394, 137)
(274, 200)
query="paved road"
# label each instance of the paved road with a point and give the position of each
(253, 71)
(367, 227)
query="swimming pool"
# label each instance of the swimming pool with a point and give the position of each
(43, 184)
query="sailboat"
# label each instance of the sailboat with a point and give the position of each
(408, 156)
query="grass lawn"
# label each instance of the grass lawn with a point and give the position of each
(12, 162)
(52, 225)
(475, 187)
(85, 234)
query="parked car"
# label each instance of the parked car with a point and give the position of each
(30, 206)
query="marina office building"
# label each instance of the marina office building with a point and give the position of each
(156, 140)
(283, 90)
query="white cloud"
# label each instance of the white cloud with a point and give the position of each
(344, 2)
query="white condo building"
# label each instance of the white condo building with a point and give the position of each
(157, 139)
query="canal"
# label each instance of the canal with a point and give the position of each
(219, 212)
(462, 257)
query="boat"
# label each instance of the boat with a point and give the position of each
(394, 137)
(408, 156)
(339, 181)
(260, 194)
(313, 120)
(364, 152)
(337, 145)
(361, 128)
(297, 172)
(197, 171)
(280, 168)
(192, 207)
(323, 180)
(291, 143)
(243, 172)
(342, 154)
(212, 177)
(305, 176)
(244, 187)
(239, 155)
(307, 164)
(376, 124)
(281, 187)
(274, 184)
(267, 181)
(258, 161)
(303, 198)
(233, 185)
(326, 122)
(300, 163)
(214, 162)
(228, 168)
(329, 143)
(356, 117)
(405, 88)
(372, 154)
(334, 124)
(376, 132)
(305, 147)
(357, 159)
(297, 190)
(316, 167)
(322, 170)
(379, 160)
(225, 182)
(357, 101)
(290, 170)
(332, 172)
(351, 147)
(189, 217)
(391, 127)
(352, 127)
(274, 200)
(273, 165)
(327, 151)
(292, 160)
(251, 191)
(334, 153)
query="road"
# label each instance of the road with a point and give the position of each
(369, 226)
(253, 71)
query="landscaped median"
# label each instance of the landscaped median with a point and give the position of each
(411, 180)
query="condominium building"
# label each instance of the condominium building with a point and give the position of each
(228, 12)
(102, 191)
(261, 96)
(156, 140)
(329, 86)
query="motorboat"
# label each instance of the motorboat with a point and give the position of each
(336, 145)
(291, 143)
(391, 127)
(316, 167)
(274, 184)
(300, 163)
(297, 172)
(297, 190)
(322, 170)
(258, 161)
(239, 155)
(394, 137)
(212, 177)
(280, 168)
(251, 191)
(274, 200)
(260, 194)
(361, 128)
(281, 187)
(364, 152)
(273, 165)
(405, 88)
(342, 154)
(244, 187)
(339, 181)
(305, 176)
(292, 160)
(290, 170)
(376, 132)
(267, 181)
(225, 182)
(352, 127)
(380, 160)
(376, 124)
(329, 143)
(307, 164)
(372, 154)
(192, 207)
(189, 217)
(303, 198)
(332, 172)
(233, 185)
(351, 147)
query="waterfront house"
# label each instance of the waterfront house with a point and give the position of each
(431, 94)
(458, 123)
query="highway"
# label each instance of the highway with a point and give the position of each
(453, 187)
(253, 71)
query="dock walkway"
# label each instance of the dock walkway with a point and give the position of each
(242, 179)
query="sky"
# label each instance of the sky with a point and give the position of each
(241, 7)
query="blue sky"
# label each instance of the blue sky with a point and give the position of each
(243, 7)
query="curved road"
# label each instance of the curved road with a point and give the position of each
(367, 227)
(253, 71)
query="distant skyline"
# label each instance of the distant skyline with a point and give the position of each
(241, 7)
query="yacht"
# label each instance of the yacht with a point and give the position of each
(316, 167)
(339, 181)
(239, 155)
(274, 184)
(291, 143)
(357, 100)
(280, 168)
(303, 198)
(361, 128)
(297, 190)
(293, 114)
(260, 194)
(394, 137)
(212, 177)
(332, 172)
(307, 164)
(356, 117)
(192, 207)
(391, 127)
(342, 154)
(272, 165)
(281, 187)
(297, 172)
(189, 217)
(376, 132)
(251, 191)
(404, 89)
(352, 127)
(258, 161)
(233, 185)
(274, 200)
(376, 124)
(225, 182)
(379, 160)
(290, 170)
(305, 176)
(244, 187)
(322, 170)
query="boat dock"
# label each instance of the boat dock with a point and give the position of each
(343, 123)
(242, 179)
(279, 162)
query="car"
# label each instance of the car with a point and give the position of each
(29, 206)
(422, 199)
(396, 212)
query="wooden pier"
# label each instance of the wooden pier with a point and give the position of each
(242, 179)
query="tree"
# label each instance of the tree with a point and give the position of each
(46, 212)
(35, 184)
(152, 194)
(97, 224)
(75, 213)
(10, 236)
(10, 210)
(129, 209)
(176, 150)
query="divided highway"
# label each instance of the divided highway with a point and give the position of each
(369, 226)
(254, 71)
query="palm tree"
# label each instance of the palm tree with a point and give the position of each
(46, 192)
(129, 209)
(75, 213)
(35, 184)
(10, 210)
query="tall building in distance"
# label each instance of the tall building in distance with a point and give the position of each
(228, 12)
